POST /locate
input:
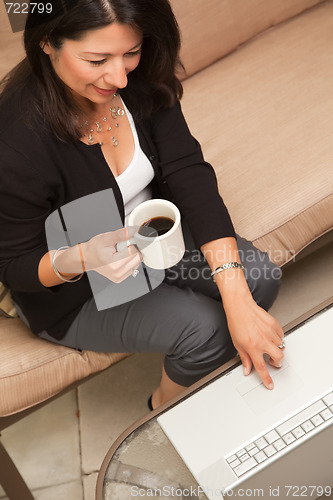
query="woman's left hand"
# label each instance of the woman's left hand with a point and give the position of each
(254, 332)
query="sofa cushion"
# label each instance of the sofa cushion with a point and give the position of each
(213, 28)
(264, 116)
(7, 307)
(32, 370)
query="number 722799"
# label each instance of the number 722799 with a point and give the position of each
(23, 8)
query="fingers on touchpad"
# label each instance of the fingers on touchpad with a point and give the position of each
(286, 382)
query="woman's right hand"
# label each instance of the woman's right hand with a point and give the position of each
(100, 255)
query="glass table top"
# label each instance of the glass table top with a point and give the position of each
(146, 465)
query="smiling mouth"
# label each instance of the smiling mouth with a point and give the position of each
(109, 91)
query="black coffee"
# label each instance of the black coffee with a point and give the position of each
(156, 226)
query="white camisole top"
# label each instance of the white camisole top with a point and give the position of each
(134, 181)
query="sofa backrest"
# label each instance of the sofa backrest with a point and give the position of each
(213, 28)
(210, 28)
(11, 44)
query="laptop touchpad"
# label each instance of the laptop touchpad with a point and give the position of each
(260, 399)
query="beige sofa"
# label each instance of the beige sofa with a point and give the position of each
(259, 97)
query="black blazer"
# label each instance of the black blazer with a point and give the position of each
(39, 174)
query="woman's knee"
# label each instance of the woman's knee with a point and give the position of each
(262, 275)
(264, 282)
(207, 348)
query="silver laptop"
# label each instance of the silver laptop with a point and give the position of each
(237, 437)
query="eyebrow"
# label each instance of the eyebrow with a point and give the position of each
(108, 54)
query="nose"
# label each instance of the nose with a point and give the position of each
(116, 75)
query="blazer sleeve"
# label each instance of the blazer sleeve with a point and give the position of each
(24, 207)
(190, 179)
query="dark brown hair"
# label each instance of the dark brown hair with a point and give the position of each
(152, 85)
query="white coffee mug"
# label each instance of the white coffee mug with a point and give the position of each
(158, 252)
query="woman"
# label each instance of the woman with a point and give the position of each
(95, 106)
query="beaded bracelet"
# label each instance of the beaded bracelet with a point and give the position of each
(72, 280)
(224, 267)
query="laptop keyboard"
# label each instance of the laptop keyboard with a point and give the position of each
(274, 441)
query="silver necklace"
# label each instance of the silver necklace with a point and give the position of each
(116, 112)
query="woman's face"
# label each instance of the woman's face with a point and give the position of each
(95, 66)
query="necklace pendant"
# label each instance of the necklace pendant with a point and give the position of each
(99, 128)
(115, 142)
(104, 119)
(120, 112)
(91, 140)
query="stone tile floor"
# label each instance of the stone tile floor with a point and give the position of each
(60, 448)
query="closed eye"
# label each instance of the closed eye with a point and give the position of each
(97, 63)
(132, 54)
(129, 54)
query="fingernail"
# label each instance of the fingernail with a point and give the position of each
(270, 386)
(246, 371)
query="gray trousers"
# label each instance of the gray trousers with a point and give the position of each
(182, 318)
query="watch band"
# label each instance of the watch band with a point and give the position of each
(224, 267)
